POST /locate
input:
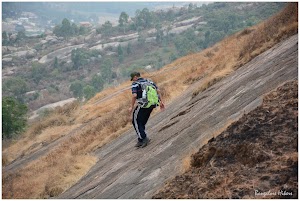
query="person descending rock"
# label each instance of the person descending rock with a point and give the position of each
(148, 96)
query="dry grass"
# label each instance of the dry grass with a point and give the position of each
(47, 176)
(105, 116)
(270, 32)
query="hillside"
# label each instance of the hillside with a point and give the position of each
(40, 70)
(255, 157)
(86, 151)
(123, 172)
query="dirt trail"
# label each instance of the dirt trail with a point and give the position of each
(125, 172)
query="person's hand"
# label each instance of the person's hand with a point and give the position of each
(130, 113)
(162, 106)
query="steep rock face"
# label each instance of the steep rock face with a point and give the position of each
(256, 157)
(186, 125)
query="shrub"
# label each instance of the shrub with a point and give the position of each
(13, 117)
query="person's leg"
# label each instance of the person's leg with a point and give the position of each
(135, 123)
(139, 120)
(146, 115)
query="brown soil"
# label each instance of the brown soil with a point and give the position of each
(256, 157)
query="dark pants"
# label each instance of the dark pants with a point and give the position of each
(139, 120)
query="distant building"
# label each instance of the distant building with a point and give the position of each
(85, 24)
(29, 15)
(24, 19)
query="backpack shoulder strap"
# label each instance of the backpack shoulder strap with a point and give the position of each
(151, 83)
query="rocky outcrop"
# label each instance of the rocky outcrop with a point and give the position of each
(125, 173)
(125, 37)
(7, 60)
(114, 45)
(193, 20)
(6, 72)
(24, 55)
(8, 49)
(60, 53)
(31, 54)
(256, 157)
(36, 113)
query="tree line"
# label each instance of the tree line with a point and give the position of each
(220, 18)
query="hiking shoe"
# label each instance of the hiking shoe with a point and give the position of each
(145, 142)
(138, 144)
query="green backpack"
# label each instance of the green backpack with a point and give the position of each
(149, 95)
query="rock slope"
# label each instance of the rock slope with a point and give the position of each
(125, 172)
(256, 157)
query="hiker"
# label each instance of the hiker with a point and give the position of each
(141, 113)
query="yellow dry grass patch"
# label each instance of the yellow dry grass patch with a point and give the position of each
(27, 145)
(47, 177)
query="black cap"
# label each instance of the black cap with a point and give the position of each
(134, 74)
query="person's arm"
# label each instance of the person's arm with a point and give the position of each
(161, 103)
(134, 89)
(132, 103)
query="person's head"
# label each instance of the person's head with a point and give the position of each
(134, 76)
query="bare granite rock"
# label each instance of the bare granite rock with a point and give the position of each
(125, 172)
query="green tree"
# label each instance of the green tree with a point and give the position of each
(83, 30)
(120, 53)
(77, 89)
(173, 57)
(13, 117)
(129, 49)
(97, 82)
(143, 18)
(15, 86)
(37, 72)
(74, 30)
(141, 39)
(66, 28)
(191, 7)
(79, 58)
(89, 91)
(56, 64)
(5, 39)
(106, 28)
(106, 69)
(21, 35)
(159, 33)
(123, 20)
(186, 43)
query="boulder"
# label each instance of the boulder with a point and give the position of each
(12, 49)
(150, 40)
(6, 60)
(148, 67)
(8, 49)
(4, 50)
(31, 53)
(13, 37)
(53, 41)
(8, 71)
(49, 38)
(21, 54)
(111, 53)
(42, 42)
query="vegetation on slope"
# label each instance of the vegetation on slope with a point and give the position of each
(89, 71)
(255, 157)
(83, 129)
